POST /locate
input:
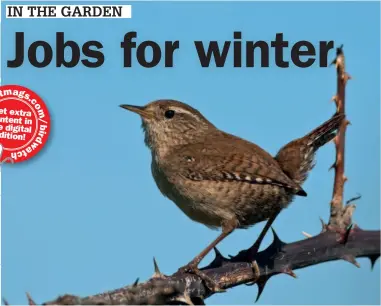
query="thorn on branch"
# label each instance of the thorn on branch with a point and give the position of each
(30, 300)
(351, 259)
(218, 253)
(219, 259)
(351, 200)
(307, 235)
(373, 259)
(136, 282)
(157, 273)
(157, 270)
(346, 77)
(219, 256)
(323, 225)
(5, 302)
(288, 271)
(277, 243)
(275, 246)
(261, 286)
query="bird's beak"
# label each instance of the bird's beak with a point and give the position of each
(140, 110)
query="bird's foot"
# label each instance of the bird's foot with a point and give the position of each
(209, 282)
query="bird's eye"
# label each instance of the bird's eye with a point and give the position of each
(169, 114)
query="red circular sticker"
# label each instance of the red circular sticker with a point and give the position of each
(24, 123)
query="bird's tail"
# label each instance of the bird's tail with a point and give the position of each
(297, 157)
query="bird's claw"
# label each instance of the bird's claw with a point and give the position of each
(209, 282)
(249, 256)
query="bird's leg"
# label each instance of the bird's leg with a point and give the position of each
(192, 267)
(250, 253)
(255, 247)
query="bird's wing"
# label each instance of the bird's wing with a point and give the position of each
(227, 162)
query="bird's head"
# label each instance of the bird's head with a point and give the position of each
(169, 123)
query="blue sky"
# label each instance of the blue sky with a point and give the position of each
(85, 215)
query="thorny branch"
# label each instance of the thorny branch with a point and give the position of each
(338, 240)
(341, 216)
(278, 258)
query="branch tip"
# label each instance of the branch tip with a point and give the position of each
(339, 50)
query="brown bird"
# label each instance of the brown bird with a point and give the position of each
(221, 180)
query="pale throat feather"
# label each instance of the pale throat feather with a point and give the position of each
(156, 143)
(161, 140)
